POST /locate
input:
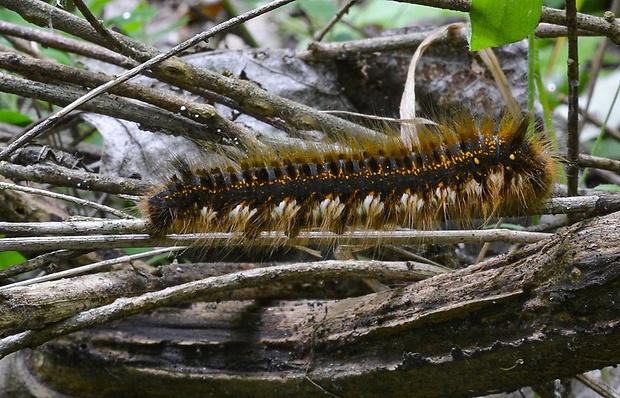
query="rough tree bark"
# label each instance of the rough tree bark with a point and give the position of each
(546, 311)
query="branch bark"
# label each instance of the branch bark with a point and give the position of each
(544, 312)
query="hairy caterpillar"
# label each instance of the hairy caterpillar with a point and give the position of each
(462, 170)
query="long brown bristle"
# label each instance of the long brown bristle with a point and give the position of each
(462, 170)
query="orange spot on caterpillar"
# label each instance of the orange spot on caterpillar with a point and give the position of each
(461, 171)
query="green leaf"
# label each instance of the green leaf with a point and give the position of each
(495, 23)
(15, 118)
(96, 6)
(608, 187)
(320, 11)
(10, 258)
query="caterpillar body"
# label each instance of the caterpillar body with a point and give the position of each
(463, 171)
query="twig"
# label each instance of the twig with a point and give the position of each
(318, 51)
(572, 154)
(91, 267)
(606, 26)
(601, 388)
(68, 44)
(73, 199)
(341, 13)
(26, 244)
(326, 51)
(24, 46)
(65, 177)
(591, 204)
(551, 31)
(598, 162)
(98, 26)
(102, 227)
(44, 260)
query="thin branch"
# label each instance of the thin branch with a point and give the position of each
(323, 51)
(68, 44)
(409, 41)
(572, 154)
(98, 26)
(607, 26)
(65, 177)
(91, 227)
(591, 205)
(24, 46)
(133, 232)
(27, 244)
(598, 162)
(551, 31)
(44, 260)
(341, 13)
(90, 268)
(598, 386)
(73, 199)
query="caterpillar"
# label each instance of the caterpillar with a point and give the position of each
(462, 170)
